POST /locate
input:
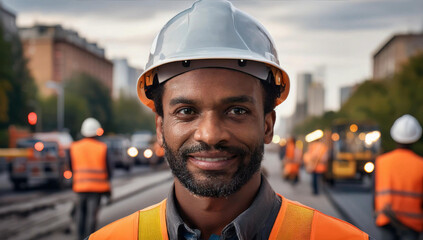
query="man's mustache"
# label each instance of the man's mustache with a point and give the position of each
(203, 147)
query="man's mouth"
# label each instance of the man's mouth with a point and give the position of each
(212, 160)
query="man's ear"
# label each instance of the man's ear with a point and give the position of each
(159, 129)
(269, 123)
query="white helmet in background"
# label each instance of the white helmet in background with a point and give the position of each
(89, 127)
(212, 34)
(406, 130)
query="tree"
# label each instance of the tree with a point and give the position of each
(129, 116)
(17, 88)
(86, 96)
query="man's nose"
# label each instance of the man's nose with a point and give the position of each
(211, 130)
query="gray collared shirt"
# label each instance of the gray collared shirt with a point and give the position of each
(254, 223)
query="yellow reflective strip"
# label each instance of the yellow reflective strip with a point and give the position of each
(149, 224)
(296, 223)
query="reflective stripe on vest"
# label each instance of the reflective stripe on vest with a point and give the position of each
(294, 221)
(402, 193)
(152, 222)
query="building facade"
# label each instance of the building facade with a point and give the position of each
(56, 54)
(346, 92)
(125, 79)
(8, 23)
(304, 81)
(394, 53)
(316, 99)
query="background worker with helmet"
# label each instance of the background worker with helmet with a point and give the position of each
(399, 184)
(292, 161)
(213, 78)
(315, 160)
(91, 176)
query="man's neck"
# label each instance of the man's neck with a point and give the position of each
(211, 215)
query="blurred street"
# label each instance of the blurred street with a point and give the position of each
(144, 186)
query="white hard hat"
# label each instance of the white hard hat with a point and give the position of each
(212, 34)
(89, 127)
(406, 130)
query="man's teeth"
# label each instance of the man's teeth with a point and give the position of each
(212, 159)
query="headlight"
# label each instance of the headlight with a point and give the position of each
(369, 167)
(148, 153)
(132, 151)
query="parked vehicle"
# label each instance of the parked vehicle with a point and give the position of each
(141, 141)
(117, 147)
(46, 164)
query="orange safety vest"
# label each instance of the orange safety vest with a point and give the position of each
(399, 185)
(89, 166)
(315, 157)
(294, 221)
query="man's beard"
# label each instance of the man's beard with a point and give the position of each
(213, 186)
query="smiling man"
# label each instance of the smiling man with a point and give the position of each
(213, 79)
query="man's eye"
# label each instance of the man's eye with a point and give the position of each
(185, 111)
(237, 111)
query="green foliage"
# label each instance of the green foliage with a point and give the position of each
(6, 76)
(75, 113)
(313, 123)
(17, 88)
(130, 116)
(86, 96)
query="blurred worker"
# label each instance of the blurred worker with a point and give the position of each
(91, 176)
(213, 79)
(158, 152)
(315, 160)
(399, 184)
(292, 161)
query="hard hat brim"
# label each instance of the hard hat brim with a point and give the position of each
(217, 53)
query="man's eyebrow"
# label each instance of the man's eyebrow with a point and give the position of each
(239, 99)
(181, 100)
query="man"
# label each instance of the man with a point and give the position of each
(213, 79)
(316, 159)
(91, 176)
(399, 184)
(292, 161)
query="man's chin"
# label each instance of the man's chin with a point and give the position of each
(212, 179)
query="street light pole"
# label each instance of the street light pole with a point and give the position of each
(60, 103)
(60, 108)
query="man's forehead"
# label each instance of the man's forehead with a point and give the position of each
(213, 82)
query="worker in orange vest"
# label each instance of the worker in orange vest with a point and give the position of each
(315, 160)
(213, 79)
(91, 176)
(292, 161)
(399, 184)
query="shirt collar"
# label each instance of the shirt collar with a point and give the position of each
(247, 224)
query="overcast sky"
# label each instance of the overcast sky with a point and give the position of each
(333, 38)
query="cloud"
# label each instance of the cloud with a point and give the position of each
(349, 15)
(124, 10)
